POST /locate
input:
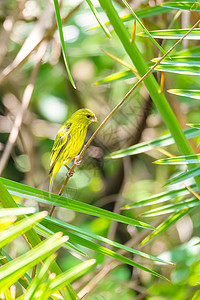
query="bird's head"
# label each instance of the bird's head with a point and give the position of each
(84, 116)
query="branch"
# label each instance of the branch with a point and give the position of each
(121, 102)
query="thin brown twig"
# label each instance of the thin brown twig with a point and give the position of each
(119, 104)
(24, 106)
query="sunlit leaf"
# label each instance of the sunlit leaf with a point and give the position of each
(183, 176)
(194, 94)
(115, 77)
(173, 34)
(170, 208)
(43, 196)
(177, 69)
(165, 225)
(93, 9)
(191, 6)
(160, 198)
(166, 140)
(180, 160)
(143, 13)
(49, 221)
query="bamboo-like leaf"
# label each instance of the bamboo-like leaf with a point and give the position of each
(46, 232)
(105, 251)
(143, 13)
(35, 284)
(180, 160)
(43, 196)
(180, 61)
(194, 94)
(19, 228)
(52, 222)
(197, 125)
(185, 5)
(115, 77)
(142, 25)
(165, 225)
(59, 23)
(177, 69)
(13, 270)
(71, 275)
(93, 9)
(6, 222)
(166, 140)
(170, 208)
(173, 34)
(6, 212)
(160, 198)
(183, 176)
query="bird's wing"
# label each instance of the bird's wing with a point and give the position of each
(60, 143)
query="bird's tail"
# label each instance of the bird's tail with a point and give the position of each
(51, 184)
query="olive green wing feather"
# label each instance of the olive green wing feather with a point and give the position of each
(60, 143)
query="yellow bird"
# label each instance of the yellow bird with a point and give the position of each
(69, 141)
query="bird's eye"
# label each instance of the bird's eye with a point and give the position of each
(88, 116)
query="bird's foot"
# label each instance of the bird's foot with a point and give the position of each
(77, 160)
(70, 173)
(68, 168)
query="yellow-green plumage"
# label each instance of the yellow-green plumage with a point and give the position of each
(69, 140)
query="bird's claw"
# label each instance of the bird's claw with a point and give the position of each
(77, 160)
(70, 174)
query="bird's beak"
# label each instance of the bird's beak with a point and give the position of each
(94, 119)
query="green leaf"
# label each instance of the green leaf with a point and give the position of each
(183, 176)
(49, 220)
(105, 251)
(172, 207)
(6, 212)
(186, 70)
(39, 278)
(93, 9)
(71, 275)
(180, 61)
(19, 228)
(142, 25)
(197, 125)
(165, 225)
(180, 160)
(115, 77)
(43, 196)
(59, 23)
(191, 6)
(160, 198)
(143, 13)
(173, 34)
(13, 270)
(166, 140)
(194, 94)
(46, 232)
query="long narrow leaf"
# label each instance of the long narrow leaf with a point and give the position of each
(142, 25)
(180, 160)
(166, 140)
(165, 225)
(59, 23)
(13, 270)
(105, 251)
(173, 34)
(183, 176)
(19, 228)
(43, 196)
(160, 198)
(75, 229)
(194, 94)
(191, 6)
(93, 9)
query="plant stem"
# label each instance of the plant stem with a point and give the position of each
(122, 101)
